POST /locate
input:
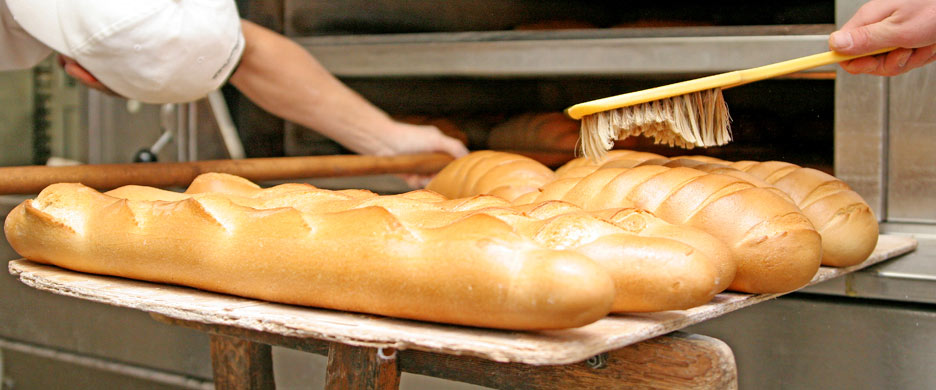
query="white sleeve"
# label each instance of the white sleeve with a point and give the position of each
(18, 50)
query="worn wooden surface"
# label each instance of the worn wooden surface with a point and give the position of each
(239, 364)
(538, 348)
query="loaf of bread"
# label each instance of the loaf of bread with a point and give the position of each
(472, 261)
(848, 227)
(704, 166)
(617, 155)
(551, 131)
(655, 265)
(846, 223)
(506, 175)
(476, 271)
(775, 245)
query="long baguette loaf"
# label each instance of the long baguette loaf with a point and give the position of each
(848, 226)
(476, 271)
(701, 165)
(776, 247)
(417, 255)
(655, 265)
(612, 155)
(494, 173)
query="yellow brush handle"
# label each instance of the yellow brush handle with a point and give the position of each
(723, 80)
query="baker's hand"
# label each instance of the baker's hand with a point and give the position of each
(410, 139)
(909, 25)
(405, 138)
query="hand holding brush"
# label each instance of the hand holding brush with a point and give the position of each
(687, 114)
(909, 25)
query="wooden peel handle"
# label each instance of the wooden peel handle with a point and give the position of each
(32, 179)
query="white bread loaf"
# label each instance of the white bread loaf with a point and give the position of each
(704, 166)
(848, 226)
(612, 155)
(417, 255)
(776, 247)
(501, 174)
(476, 271)
(655, 265)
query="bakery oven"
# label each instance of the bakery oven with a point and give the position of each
(497, 75)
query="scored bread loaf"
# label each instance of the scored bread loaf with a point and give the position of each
(418, 255)
(847, 225)
(506, 175)
(655, 265)
(475, 271)
(701, 166)
(776, 247)
(846, 222)
(612, 155)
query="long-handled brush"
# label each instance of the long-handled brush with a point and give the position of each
(686, 114)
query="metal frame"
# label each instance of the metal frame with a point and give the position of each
(517, 54)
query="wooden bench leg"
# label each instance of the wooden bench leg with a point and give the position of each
(239, 364)
(359, 368)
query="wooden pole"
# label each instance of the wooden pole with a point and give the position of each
(32, 179)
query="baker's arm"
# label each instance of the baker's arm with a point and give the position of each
(284, 79)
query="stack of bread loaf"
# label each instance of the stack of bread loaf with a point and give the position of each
(501, 241)
(780, 221)
(478, 260)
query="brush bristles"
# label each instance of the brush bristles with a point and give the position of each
(687, 121)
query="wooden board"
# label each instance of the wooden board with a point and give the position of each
(538, 348)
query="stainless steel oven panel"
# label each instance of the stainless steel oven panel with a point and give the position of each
(861, 127)
(807, 342)
(911, 177)
(860, 136)
(885, 137)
